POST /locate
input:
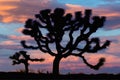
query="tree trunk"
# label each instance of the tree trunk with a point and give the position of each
(56, 63)
(26, 68)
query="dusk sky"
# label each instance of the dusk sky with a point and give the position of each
(14, 13)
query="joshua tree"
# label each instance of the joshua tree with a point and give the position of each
(22, 57)
(78, 30)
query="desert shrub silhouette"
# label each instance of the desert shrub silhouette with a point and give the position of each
(22, 57)
(78, 30)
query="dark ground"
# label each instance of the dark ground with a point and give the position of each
(42, 76)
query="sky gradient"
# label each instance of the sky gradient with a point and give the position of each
(14, 13)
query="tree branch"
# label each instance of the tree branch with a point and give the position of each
(42, 59)
(97, 66)
(26, 46)
(45, 46)
(97, 46)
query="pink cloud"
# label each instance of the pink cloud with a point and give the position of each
(39, 54)
(74, 63)
(20, 29)
(111, 59)
(20, 37)
(73, 8)
(2, 61)
(114, 48)
(11, 47)
(9, 42)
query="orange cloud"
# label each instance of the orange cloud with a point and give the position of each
(9, 1)
(8, 19)
(20, 10)
(4, 6)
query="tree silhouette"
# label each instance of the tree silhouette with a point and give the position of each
(22, 57)
(77, 28)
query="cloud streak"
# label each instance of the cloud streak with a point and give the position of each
(20, 10)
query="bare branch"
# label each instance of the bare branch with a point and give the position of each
(45, 48)
(42, 59)
(26, 46)
(97, 66)
(97, 46)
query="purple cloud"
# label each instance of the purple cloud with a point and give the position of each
(11, 47)
(26, 9)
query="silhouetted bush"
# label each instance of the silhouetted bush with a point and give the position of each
(22, 57)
